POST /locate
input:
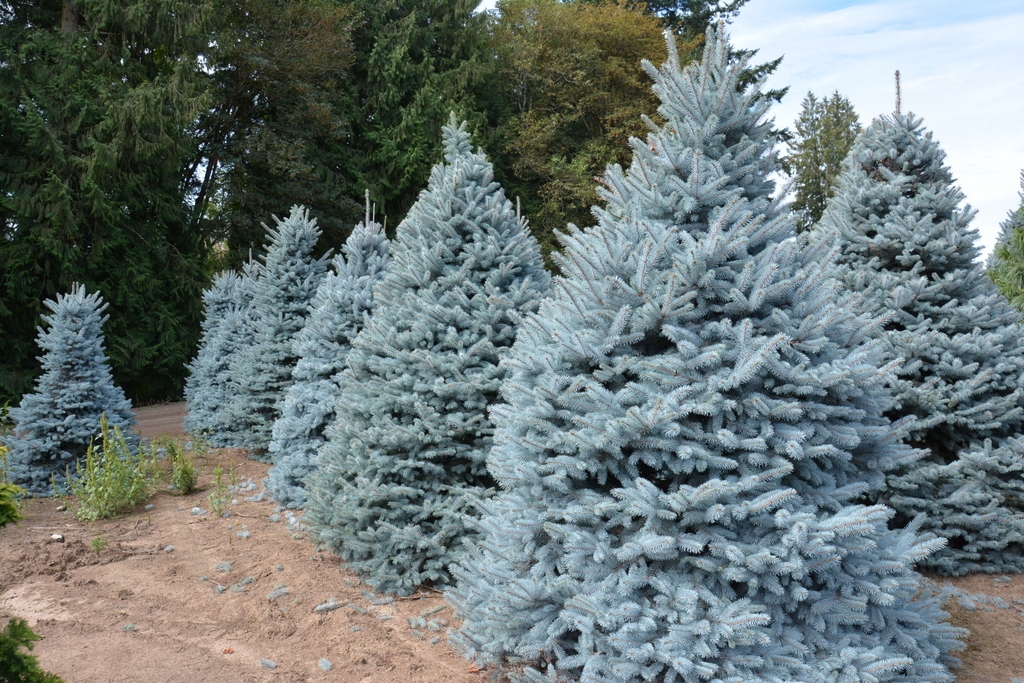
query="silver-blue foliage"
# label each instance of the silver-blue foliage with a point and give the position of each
(337, 313)
(55, 423)
(405, 459)
(285, 283)
(689, 421)
(908, 248)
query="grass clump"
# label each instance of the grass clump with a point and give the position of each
(184, 476)
(115, 477)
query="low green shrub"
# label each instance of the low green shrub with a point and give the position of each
(17, 666)
(115, 477)
(183, 469)
(10, 511)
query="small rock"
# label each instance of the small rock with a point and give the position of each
(325, 664)
(239, 586)
(224, 567)
(57, 538)
(435, 640)
(198, 511)
(356, 629)
(219, 588)
(274, 518)
(62, 508)
(234, 501)
(243, 534)
(277, 593)
(267, 664)
(150, 506)
(328, 606)
(279, 567)
(203, 578)
(278, 508)
(226, 514)
(169, 549)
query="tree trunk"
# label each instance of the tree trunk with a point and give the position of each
(69, 17)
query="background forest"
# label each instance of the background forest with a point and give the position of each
(144, 142)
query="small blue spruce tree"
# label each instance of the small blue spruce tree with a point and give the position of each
(907, 247)
(405, 460)
(203, 388)
(688, 422)
(337, 313)
(285, 283)
(56, 422)
(212, 387)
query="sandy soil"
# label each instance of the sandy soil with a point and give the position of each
(154, 605)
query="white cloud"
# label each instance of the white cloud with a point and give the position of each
(962, 70)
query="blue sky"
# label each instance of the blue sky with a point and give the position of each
(962, 70)
(961, 67)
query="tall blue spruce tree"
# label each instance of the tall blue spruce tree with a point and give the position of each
(688, 421)
(202, 397)
(55, 423)
(337, 313)
(211, 388)
(908, 248)
(405, 460)
(285, 283)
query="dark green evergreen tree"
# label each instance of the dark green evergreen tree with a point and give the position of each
(907, 247)
(97, 98)
(415, 63)
(278, 130)
(825, 131)
(688, 422)
(405, 459)
(1006, 267)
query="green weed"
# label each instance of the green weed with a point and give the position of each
(219, 496)
(115, 477)
(98, 544)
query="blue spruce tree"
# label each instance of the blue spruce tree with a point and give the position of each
(287, 279)
(56, 422)
(688, 421)
(405, 460)
(211, 388)
(203, 391)
(907, 247)
(337, 313)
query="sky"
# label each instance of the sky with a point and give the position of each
(961, 68)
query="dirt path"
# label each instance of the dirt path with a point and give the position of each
(177, 597)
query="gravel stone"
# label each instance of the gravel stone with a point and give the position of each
(325, 664)
(243, 534)
(224, 567)
(198, 511)
(169, 549)
(268, 664)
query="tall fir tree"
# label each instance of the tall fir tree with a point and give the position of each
(825, 131)
(908, 248)
(1006, 266)
(55, 423)
(214, 398)
(207, 371)
(337, 314)
(284, 285)
(688, 421)
(97, 102)
(405, 460)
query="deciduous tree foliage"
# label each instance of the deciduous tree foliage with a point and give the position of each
(825, 132)
(404, 462)
(688, 422)
(337, 313)
(907, 246)
(571, 74)
(1006, 267)
(96, 99)
(55, 423)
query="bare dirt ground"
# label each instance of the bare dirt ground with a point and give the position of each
(190, 598)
